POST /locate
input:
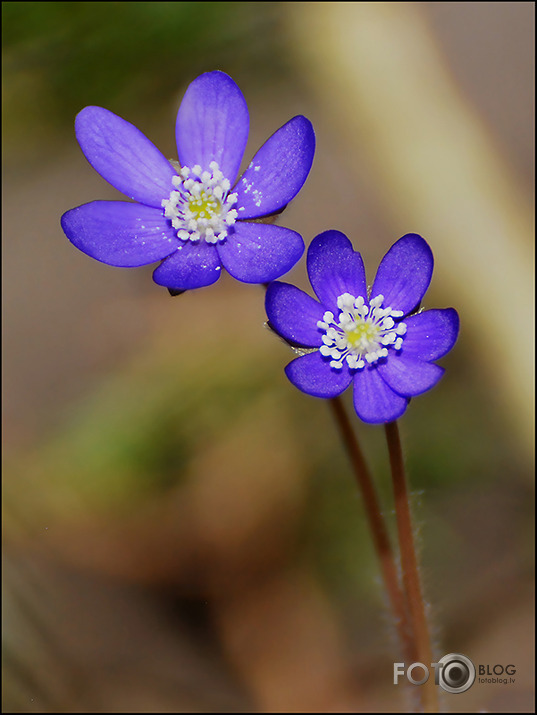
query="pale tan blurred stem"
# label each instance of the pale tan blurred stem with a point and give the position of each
(382, 84)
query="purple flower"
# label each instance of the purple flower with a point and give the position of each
(374, 339)
(196, 218)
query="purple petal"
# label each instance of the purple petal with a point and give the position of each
(294, 314)
(334, 268)
(212, 124)
(404, 273)
(409, 377)
(259, 252)
(278, 170)
(120, 233)
(312, 374)
(430, 334)
(374, 400)
(124, 156)
(193, 265)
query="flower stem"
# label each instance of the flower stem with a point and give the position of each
(377, 527)
(409, 566)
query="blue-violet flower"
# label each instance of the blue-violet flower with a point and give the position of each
(374, 339)
(195, 218)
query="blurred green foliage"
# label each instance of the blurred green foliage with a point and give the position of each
(61, 56)
(133, 442)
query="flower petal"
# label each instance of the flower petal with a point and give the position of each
(404, 273)
(120, 233)
(294, 314)
(213, 124)
(334, 268)
(193, 265)
(409, 377)
(259, 252)
(430, 334)
(312, 374)
(124, 156)
(374, 400)
(278, 170)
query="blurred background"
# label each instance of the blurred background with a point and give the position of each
(182, 532)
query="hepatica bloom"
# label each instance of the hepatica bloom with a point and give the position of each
(196, 218)
(372, 339)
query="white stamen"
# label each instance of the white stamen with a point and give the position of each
(201, 206)
(362, 334)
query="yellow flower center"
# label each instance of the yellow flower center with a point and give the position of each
(200, 207)
(362, 334)
(204, 206)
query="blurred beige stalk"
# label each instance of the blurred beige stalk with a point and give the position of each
(383, 85)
